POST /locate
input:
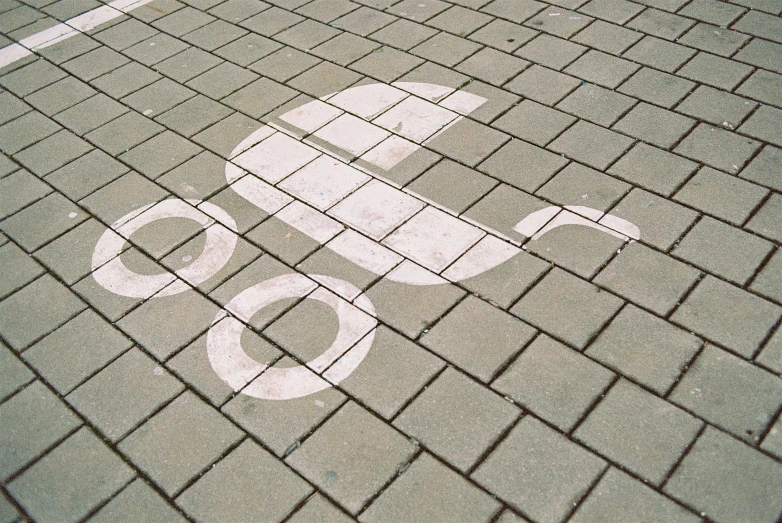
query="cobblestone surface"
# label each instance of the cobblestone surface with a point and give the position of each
(391, 260)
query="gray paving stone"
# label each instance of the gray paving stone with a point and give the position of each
(728, 481)
(503, 208)
(764, 125)
(13, 375)
(420, 13)
(445, 49)
(593, 145)
(351, 456)
(155, 49)
(33, 420)
(95, 63)
(182, 21)
(761, 86)
(725, 314)
(661, 221)
(282, 240)
(284, 64)
(72, 480)
(326, 262)
(596, 104)
(713, 12)
(247, 484)
(554, 382)
(514, 11)
(52, 153)
(160, 154)
(539, 472)
(639, 431)
(165, 324)
(364, 21)
(30, 78)
(194, 115)
(67, 49)
(20, 189)
(125, 34)
(730, 393)
(156, 446)
(457, 419)
(186, 65)
(551, 51)
(654, 125)
(763, 169)
(345, 48)
(656, 87)
(653, 169)
(773, 441)
(192, 366)
(533, 122)
(25, 131)
(158, 97)
(66, 10)
(226, 134)
(386, 64)
(714, 39)
(567, 307)
(403, 34)
(86, 174)
(538, 164)
(281, 425)
(506, 282)
(767, 282)
(90, 114)
(611, 38)
(271, 21)
(715, 71)
(459, 21)
(326, 11)
(618, 497)
(562, 26)
(478, 338)
(306, 35)
(127, 193)
(723, 250)
(430, 72)
(137, 501)
(60, 95)
(20, 269)
(645, 349)
(259, 97)
(214, 35)
(452, 185)
(123, 394)
(318, 508)
(468, 142)
(452, 497)
(715, 106)
(65, 362)
(503, 35)
(719, 148)
(617, 11)
(721, 195)
(543, 85)
(391, 355)
(648, 278)
(12, 107)
(492, 66)
(602, 69)
(126, 79)
(306, 344)
(8, 512)
(42, 221)
(579, 185)
(247, 49)
(411, 309)
(659, 54)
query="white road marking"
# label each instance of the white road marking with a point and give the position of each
(276, 157)
(323, 182)
(352, 134)
(415, 119)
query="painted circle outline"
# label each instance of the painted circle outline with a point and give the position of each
(113, 275)
(249, 377)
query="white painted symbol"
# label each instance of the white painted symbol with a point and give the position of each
(78, 24)
(242, 373)
(109, 270)
(320, 169)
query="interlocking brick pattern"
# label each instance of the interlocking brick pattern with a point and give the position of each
(586, 377)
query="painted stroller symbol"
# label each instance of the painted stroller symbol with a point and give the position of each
(319, 168)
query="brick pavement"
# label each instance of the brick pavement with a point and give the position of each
(391, 260)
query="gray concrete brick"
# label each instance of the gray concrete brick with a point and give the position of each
(714, 39)
(661, 221)
(68, 483)
(761, 86)
(126, 79)
(95, 63)
(452, 185)
(32, 77)
(658, 88)
(728, 481)
(562, 26)
(20, 189)
(194, 115)
(25, 131)
(364, 21)
(351, 456)
(639, 431)
(715, 106)
(567, 307)
(386, 64)
(90, 114)
(86, 174)
(654, 125)
(12, 107)
(403, 34)
(596, 104)
(659, 54)
(160, 154)
(503, 208)
(773, 440)
(247, 484)
(648, 278)
(653, 169)
(283, 241)
(713, 12)
(247, 49)
(763, 167)
(765, 125)
(155, 49)
(503, 35)
(125, 34)
(721, 195)
(457, 419)
(592, 145)
(417, 12)
(13, 373)
(715, 71)
(345, 48)
(579, 185)
(717, 147)
(730, 393)
(60, 95)
(186, 65)
(767, 282)
(65, 362)
(556, 383)
(728, 315)
(445, 49)
(611, 38)
(617, 11)
(52, 153)
(192, 366)
(723, 250)
(533, 122)
(618, 497)
(446, 496)
(539, 472)
(214, 35)
(127, 193)
(271, 21)
(318, 508)
(551, 51)
(478, 338)
(42, 221)
(235, 11)
(539, 165)
(259, 97)
(125, 393)
(645, 349)
(543, 85)
(156, 446)
(137, 500)
(602, 69)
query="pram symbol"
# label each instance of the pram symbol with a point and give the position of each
(320, 169)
